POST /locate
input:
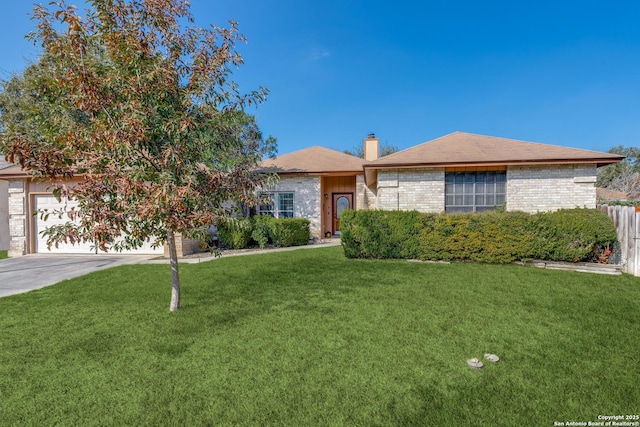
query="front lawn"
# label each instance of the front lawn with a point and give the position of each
(4, 254)
(309, 337)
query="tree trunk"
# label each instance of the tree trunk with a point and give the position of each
(175, 278)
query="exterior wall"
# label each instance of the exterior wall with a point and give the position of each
(306, 199)
(184, 247)
(529, 189)
(17, 205)
(551, 187)
(410, 189)
(21, 221)
(365, 196)
(4, 215)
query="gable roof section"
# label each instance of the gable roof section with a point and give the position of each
(460, 149)
(315, 160)
(10, 170)
(467, 149)
(3, 163)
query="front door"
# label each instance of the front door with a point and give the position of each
(341, 201)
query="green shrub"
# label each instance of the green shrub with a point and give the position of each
(509, 237)
(492, 237)
(238, 233)
(573, 235)
(619, 202)
(286, 232)
(235, 233)
(262, 230)
(381, 234)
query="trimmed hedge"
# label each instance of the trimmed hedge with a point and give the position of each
(235, 233)
(619, 202)
(492, 237)
(574, 235)
(240, 233)
(381, 234)
(287, 232)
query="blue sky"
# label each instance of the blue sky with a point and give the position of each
(557, 72)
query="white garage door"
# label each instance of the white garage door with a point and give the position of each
(51, 204)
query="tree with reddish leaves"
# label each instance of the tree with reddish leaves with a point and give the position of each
(141, 105)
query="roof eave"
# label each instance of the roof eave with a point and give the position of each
(370, 176)
(597, 161)
(323, 172)
(8, 174)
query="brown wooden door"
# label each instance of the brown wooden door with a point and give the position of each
(341, 201)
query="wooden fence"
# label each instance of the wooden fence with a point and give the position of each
(627, 221)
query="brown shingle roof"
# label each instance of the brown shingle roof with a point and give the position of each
(12, 171)
(460, 149)
(315, 160)
(3, 163)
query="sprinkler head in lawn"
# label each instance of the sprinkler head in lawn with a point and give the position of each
(474, 363)
(491, 357)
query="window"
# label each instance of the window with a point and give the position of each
(474, 191)
(279, 205)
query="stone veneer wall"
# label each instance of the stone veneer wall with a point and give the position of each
(306, 199)
(365, 196)
(551, 187)
(529, 189)
(410, 189)
(184, 246)
(18, 224)
(17, 190)
(4, 215)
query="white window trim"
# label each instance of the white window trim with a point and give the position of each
(274, 210)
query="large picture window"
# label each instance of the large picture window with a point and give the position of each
(279, 205)
(474, 191)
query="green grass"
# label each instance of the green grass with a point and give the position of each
(311, 338)
(4, 254)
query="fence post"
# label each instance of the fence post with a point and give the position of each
(634, 242)
(627, 222)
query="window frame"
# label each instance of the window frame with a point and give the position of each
(474, 190)
(281, 204)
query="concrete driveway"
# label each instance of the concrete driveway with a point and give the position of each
(29, 272)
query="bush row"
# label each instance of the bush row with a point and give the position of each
(239, 233)
(494, 237)
(619, 202)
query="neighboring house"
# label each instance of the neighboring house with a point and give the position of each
(25, 197)
(459, 172)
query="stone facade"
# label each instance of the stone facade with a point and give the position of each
(184, 246)
(17, 217)
(306, 199)
(551, 187)
(365, 196)
(410, 189)
(4, 216)
(529, 189)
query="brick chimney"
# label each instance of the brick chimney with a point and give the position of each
(371, 147)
